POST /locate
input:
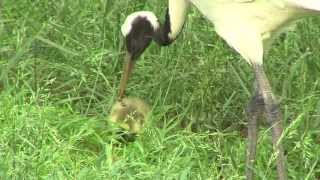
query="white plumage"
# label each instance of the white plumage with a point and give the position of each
(127, 25)
(248, 26)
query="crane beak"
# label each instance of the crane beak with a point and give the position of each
(127, 69)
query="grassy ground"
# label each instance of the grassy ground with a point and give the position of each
(60, 65)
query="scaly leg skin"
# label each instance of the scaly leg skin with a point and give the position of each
(254, 112)
(273, 114)
(273, 117)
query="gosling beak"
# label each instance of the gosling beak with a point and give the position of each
(126, 137)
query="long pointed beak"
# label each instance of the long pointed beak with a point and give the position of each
(127, 69)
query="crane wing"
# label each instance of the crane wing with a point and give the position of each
(307, 4)
(245, 39)
(244, 1)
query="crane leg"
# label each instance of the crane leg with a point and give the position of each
(254, 112)
(272, 111)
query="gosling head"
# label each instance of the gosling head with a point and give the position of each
(130, 114)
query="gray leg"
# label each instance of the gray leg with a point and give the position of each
(273, 117)
(254, 112)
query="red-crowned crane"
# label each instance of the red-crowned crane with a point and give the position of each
(248, 26)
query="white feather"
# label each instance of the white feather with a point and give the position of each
(127, 25)
(177, 14)
(313, 5)
(248, 27)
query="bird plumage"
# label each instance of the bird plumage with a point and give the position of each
(130, 114)
(248, 26)
(149, 16)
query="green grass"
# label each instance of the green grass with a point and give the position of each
(60, 65)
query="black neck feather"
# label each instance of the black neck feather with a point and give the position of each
(161, 35)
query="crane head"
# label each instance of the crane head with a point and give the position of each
(138, 30)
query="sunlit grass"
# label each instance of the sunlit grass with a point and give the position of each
(60, 65)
